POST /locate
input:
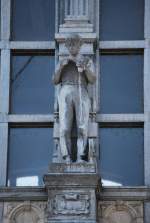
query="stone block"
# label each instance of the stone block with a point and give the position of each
(71, 195)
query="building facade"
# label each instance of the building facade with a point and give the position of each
(116, 35)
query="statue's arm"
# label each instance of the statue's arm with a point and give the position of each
(58, 71)
(57, 75)
(90, 72)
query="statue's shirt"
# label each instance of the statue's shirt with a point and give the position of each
(70, 75)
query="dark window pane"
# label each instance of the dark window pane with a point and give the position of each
(32, 90)
(121, 84)
(0, 20)
(121, 156)
(33, 20)
(29, 155)
(122, 20)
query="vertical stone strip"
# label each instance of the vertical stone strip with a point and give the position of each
(76, 8)
(5, 17)
(71, 7)
(4, 81)
(4, 109)
(1, 211)
(147, 104)
(87, 7)
(3, 152)
(66, 7)
(4, 86)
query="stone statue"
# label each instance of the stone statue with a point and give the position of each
(73, 73)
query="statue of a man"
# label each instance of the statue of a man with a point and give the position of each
(74, 73)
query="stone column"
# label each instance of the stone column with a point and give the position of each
(76, 10)
(76, 17)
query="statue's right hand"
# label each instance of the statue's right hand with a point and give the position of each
(64, 62)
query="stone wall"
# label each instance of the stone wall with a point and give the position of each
(120, 212)
(108, 212)
(24, 212)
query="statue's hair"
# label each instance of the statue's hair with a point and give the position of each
(73, 40)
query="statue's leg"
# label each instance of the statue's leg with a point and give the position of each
(65, 119)
(82, 109)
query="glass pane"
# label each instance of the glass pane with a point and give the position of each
(121, 84)
(30, 151)
(33, 20)
(122, 20)
(0, 19)
(32, 90)
(121, 156)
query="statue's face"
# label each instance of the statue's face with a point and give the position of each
(73, 44)
(73, 50)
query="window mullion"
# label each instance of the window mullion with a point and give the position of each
(147, 104)
(5, 19)
(3, 152)
(4, 81)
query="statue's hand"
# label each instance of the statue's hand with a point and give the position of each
(64, 62)
(80, 64)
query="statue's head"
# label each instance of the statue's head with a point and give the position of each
(73, 44)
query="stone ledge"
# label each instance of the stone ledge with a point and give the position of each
(107, 193)
(73, 180)
(72, 168)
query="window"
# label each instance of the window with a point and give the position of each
(122, 156)
(121, 92)
(121, 83)
(30, 151)
(32, 91)
(27, 92)
(33, 20)
(122, 20)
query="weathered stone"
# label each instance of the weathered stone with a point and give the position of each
(1, 211)
(147, 212)
(20, 212)
(74, 73)
(72, 196)
(72, 168)
(120, 212)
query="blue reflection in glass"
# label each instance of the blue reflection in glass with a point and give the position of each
(122, 156)
(30, 151)
(33, 20)
(121, 89)
(122, 20)
(32, 91)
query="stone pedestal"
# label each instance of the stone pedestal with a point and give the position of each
(72, 193)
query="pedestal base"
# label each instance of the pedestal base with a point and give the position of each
(72, 168)
(71, 196)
